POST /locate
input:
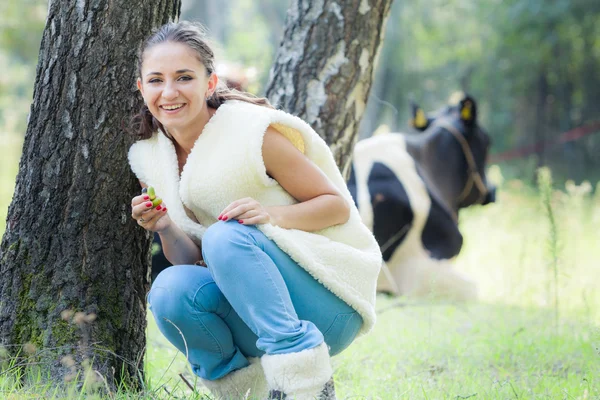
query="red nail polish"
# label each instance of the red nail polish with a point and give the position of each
(220, 216)
(164, 209)
(149, 204)
(240, 221)
(146, 197)
(224, 218)
(158, 208)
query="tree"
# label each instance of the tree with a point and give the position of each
(324, 68)
(74, 265)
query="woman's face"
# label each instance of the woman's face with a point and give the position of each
(175, 85)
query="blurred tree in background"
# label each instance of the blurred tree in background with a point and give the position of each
(532, 65)
(21, 26)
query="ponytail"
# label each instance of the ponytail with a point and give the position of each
(223, 93)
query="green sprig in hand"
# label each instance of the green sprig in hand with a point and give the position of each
(152, 194)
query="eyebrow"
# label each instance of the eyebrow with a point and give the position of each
(179, 71)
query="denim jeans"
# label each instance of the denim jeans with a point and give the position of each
(251, 300)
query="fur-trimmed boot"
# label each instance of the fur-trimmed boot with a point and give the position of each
(305, 375)
(244, 383)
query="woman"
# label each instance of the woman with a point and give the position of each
(254, 193)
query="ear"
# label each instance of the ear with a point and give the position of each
(213, 81)
(139, 86)
(467, 110)
(419, 120)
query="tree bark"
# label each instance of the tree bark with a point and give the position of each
(74, 266)
(324, 68)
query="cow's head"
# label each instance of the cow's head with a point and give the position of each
(458, 148)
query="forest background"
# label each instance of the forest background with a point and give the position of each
(532, 65)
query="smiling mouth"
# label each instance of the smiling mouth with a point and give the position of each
(172, 107)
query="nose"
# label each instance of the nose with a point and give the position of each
(490, 196)
(170, 92)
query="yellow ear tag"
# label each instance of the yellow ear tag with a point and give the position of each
(420, 119)
(465, 113)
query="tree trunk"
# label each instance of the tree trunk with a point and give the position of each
(324, 68)
(74, 266)
(214, 15)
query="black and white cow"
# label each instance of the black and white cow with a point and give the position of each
(409, 189)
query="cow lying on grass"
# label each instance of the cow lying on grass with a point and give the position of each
(409, 190)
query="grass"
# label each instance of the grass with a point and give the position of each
(516, 342)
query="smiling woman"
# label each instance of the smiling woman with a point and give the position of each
(254, 194)
(163, 73)
(175, 86)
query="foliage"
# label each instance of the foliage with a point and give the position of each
(21, 26)
(533, 66)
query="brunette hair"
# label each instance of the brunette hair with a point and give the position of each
(193, 35)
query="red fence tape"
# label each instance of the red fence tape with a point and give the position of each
(569, 136)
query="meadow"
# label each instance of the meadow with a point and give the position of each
(534, 332)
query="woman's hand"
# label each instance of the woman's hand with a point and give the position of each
(247, 211)
(154, 219)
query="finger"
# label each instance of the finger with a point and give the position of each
(138, 210)
(157, 203)
(156, 216)
(237, 211)
(248, 214)
(149, 218)
(230, 207)
(139, 199)
(259, 219)
(237, 203)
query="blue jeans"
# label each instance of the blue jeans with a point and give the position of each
(251, 300)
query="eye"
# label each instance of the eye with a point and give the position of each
(154, 80)
(185, 78)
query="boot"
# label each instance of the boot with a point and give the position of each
(245, 383)
(328, 393)
(305, 375)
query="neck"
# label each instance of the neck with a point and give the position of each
(185, 137)
(436, 168)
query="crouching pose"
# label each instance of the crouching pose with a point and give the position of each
(274, 271)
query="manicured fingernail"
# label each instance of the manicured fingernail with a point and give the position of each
(158, 208)
(164, 209)
(149, 204)
(224, 218)
(146, 197)
(240, 221)
(220, 216)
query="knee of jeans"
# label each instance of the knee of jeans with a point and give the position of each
(209, 298)
(171, 292)
(221, 242)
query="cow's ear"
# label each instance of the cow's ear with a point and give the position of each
(467, 110)
(419, 120)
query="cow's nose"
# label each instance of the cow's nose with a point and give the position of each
(490, 197)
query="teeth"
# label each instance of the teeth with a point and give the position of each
(173, 107)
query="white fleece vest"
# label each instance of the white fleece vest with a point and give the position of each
(226, 164)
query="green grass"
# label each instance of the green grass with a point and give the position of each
(507, 345)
